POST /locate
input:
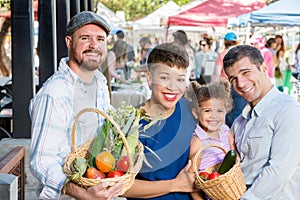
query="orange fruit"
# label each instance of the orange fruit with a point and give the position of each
(105, 161)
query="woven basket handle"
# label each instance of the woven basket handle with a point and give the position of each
(113, 123)
(195, 167)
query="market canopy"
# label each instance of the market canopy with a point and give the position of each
(114, 21)
(282, 12)
(214, 13)
(155, 19)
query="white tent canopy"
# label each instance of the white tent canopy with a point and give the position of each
(109, 16)
(154, 20)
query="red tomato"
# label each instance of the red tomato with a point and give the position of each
(123, 164)
(116, 173)
(204, 175)
(214, 175)
(93, 173)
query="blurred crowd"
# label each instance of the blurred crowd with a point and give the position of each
(205, 55)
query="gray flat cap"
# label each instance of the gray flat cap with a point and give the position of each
(84, 18)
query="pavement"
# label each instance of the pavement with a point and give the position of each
(6, 145)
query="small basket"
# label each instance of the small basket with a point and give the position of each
(83, 151)
(228, 186)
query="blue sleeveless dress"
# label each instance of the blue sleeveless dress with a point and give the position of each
(170, 140)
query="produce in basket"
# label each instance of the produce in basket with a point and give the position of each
(123, 164)
(105, 161)
(94, 173)
(225, 166)
(118, 136)
(78, 167)
(108, 138)
(227, 186)
(228, 162)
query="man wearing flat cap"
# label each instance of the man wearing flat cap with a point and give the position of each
(76, 85)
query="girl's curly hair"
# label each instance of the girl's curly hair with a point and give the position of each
(199, 93)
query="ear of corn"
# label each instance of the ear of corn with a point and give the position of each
(98, 143)
(108, 138)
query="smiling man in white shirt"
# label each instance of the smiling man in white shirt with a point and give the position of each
(76, 85)
(267, 134)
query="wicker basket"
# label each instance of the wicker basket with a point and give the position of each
(83, 151)
(228, 186)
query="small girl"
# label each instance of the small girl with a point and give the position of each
(210, 104)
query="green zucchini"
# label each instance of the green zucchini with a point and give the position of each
(228, 162)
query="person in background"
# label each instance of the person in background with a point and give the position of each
(76, 85)
(169, 177)
(258, 41)
(181, 38)
(117, 59)
(146, 48)
(280, 44)
(209, 105)
(130, 54)
(230, 40)
(202, 58)
(266, 134)
(156, 41)
(297, 53)
(272, 45)
(280, 66)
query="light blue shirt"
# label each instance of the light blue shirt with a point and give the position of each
(200, 61)
(52, 111)
(268, 140)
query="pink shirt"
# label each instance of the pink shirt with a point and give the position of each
(213, 155)
(219, 69)
(269, 60)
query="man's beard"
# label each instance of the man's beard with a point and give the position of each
(90, 65)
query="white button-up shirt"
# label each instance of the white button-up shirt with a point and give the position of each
(268, 140)
(52, 111)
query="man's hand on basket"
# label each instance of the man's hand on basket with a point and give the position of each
(99, 191)
(185, 179)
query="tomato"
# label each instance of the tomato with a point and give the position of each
(105, 161)
(123, 164)
(116, 173)
(94, 173)
(204, 175)
(214, 175)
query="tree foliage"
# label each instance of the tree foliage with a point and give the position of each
(136, 9)
(5, 4)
